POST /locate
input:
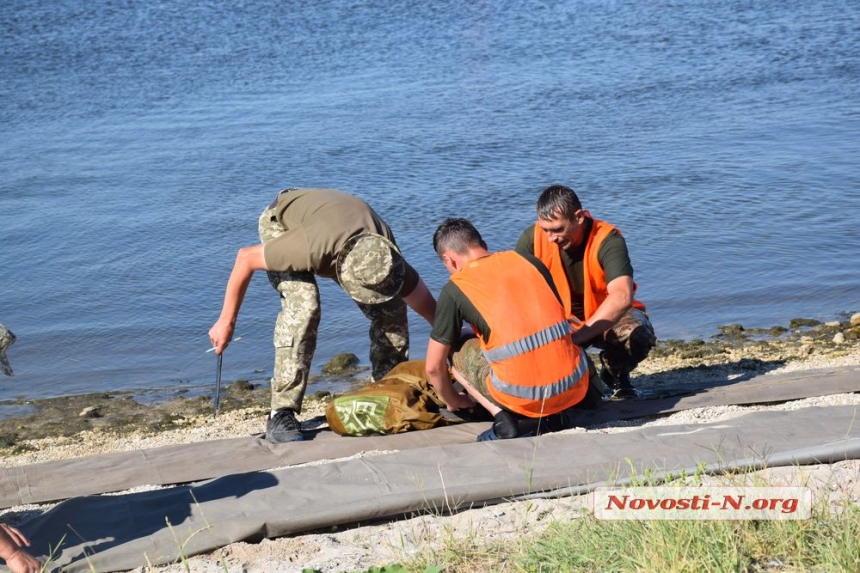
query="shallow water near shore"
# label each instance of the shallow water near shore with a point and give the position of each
(141, 141)
(735, 351)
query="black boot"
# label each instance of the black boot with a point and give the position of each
(504, 427)
(617, 379)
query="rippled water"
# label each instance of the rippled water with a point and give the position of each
(142, 138)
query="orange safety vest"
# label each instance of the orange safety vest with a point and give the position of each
(594, 278)
(536, 369)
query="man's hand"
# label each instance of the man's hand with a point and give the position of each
(18, 561)
(437, 370)
(221, 334)
(460, 401)
(23, 562)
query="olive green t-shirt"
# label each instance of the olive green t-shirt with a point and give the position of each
(317, 223)
(453, 308)
(612, 255)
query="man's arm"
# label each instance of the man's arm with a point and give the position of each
(248, 260)
(619, 299)
(421, 301)
(12, 544)
(437, 370)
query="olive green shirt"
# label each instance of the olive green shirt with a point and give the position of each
(612, 255)
(317, 223)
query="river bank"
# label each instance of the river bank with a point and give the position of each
(116, 423)
(97, 423)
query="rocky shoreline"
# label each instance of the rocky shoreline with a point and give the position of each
(95, 420)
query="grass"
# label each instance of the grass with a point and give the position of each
(829, 541)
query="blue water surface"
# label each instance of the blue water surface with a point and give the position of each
(141, 139)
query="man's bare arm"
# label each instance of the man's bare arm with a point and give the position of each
(248, 260)
(619, 299)
(437, 370)
(421, 301)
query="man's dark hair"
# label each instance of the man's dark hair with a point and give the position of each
(457, 235)
(558, 200)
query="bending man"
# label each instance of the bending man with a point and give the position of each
(524, 361)
(591, 268)
(307, 233)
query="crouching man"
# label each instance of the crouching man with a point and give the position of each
(524, 361)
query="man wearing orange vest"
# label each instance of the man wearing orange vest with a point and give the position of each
(591, 268)
(524, 362)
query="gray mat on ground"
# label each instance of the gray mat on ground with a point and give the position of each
(62, 479)
(757, 389)
(126, 531)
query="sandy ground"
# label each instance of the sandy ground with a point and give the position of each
(358, 548)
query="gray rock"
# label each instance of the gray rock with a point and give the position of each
(345, 363)
(90, 412)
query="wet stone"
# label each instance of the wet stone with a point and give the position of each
(241, 386)
(731, 329)
(345, 363)
(801, 322)
(90, 412)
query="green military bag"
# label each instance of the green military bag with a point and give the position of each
(401, 401)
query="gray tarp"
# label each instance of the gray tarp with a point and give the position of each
(62, 479)
(431, 469)
(125, 531)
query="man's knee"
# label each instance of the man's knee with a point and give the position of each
(641, 342)
(630, 340)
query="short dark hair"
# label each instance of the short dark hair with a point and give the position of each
(558, 200)
(458, 235)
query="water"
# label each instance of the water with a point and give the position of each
(141, 139)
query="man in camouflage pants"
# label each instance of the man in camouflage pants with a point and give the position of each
(309, 233)
(6, 340)
(591, 269)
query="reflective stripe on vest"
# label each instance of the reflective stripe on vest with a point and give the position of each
(546, 391)
(528, 343)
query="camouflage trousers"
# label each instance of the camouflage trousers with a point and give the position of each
(6, 340)
(469, 361)
(297, 326)
(627, 343)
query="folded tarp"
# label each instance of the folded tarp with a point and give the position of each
(170, 465)
(120, 532)
(757, 389)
